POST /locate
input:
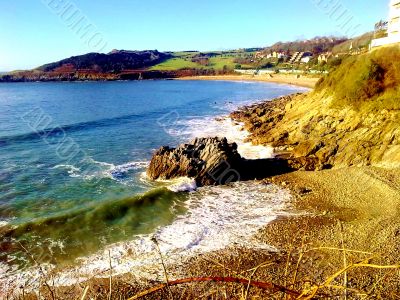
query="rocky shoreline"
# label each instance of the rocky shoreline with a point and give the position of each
(339, 237)
(309, 126)
(338, 241)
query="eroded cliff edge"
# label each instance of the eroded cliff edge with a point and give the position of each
(307, 125)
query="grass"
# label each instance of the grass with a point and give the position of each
(357, 42)
(183, 60)
(288, 275)
(174, 64)
(366, 82)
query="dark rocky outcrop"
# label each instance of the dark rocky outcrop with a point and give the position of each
(211, 161)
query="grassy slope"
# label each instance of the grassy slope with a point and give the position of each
(370, 81)
(174, 64)
(357, 42)
(183, 60)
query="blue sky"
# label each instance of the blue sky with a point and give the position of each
(32, 34)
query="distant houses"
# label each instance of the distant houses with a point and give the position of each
(388, 33)
(323, 57)
(297, 57)
(275, 54)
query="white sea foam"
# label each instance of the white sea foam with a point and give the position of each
(222, 127)
(182, 184)
(120, 170)
(71, 170)
(104, 170)
(3, 223)
(216, 217)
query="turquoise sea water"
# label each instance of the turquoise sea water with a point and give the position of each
(72, 158)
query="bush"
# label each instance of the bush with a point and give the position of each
(370, 80)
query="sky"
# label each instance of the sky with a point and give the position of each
(35, 32)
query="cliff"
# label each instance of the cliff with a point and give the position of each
(351, 119)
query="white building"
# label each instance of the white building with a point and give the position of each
(393, 31)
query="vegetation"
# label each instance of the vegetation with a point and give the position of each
(209, 60)
(113, 62)
(175, 63)
(360, 42)
(316, 45)
(370, 81)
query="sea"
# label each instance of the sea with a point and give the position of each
(73, 188)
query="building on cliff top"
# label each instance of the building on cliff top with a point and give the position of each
(388, 32)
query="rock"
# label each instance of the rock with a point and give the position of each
(211, 161)
(321, 136)
(304, 190)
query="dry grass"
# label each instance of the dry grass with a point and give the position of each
(345, 247)
(302, 272)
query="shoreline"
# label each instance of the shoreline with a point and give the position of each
(302, 81)
(331, 210)
(232, 129)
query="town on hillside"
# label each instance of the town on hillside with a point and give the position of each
(303, 57)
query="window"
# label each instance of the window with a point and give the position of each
(395, 20)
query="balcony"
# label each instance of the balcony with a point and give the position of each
(381, 29)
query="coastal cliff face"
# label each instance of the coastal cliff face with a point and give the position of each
(351, 119)
(308, 126)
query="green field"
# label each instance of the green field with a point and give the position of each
(183, 60)
(174, 64)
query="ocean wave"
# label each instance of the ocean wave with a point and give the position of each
(121, 170)
(102, 170)
(216, 218)
(54, 132)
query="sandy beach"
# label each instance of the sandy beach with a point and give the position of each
(338, 238)
(337, 233)
(298, 80)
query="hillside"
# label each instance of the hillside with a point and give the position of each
(130, 65)
(350, 119)
(316, 45)
(116, 65)
(113, 62)
(215, 61)
(360, 42)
